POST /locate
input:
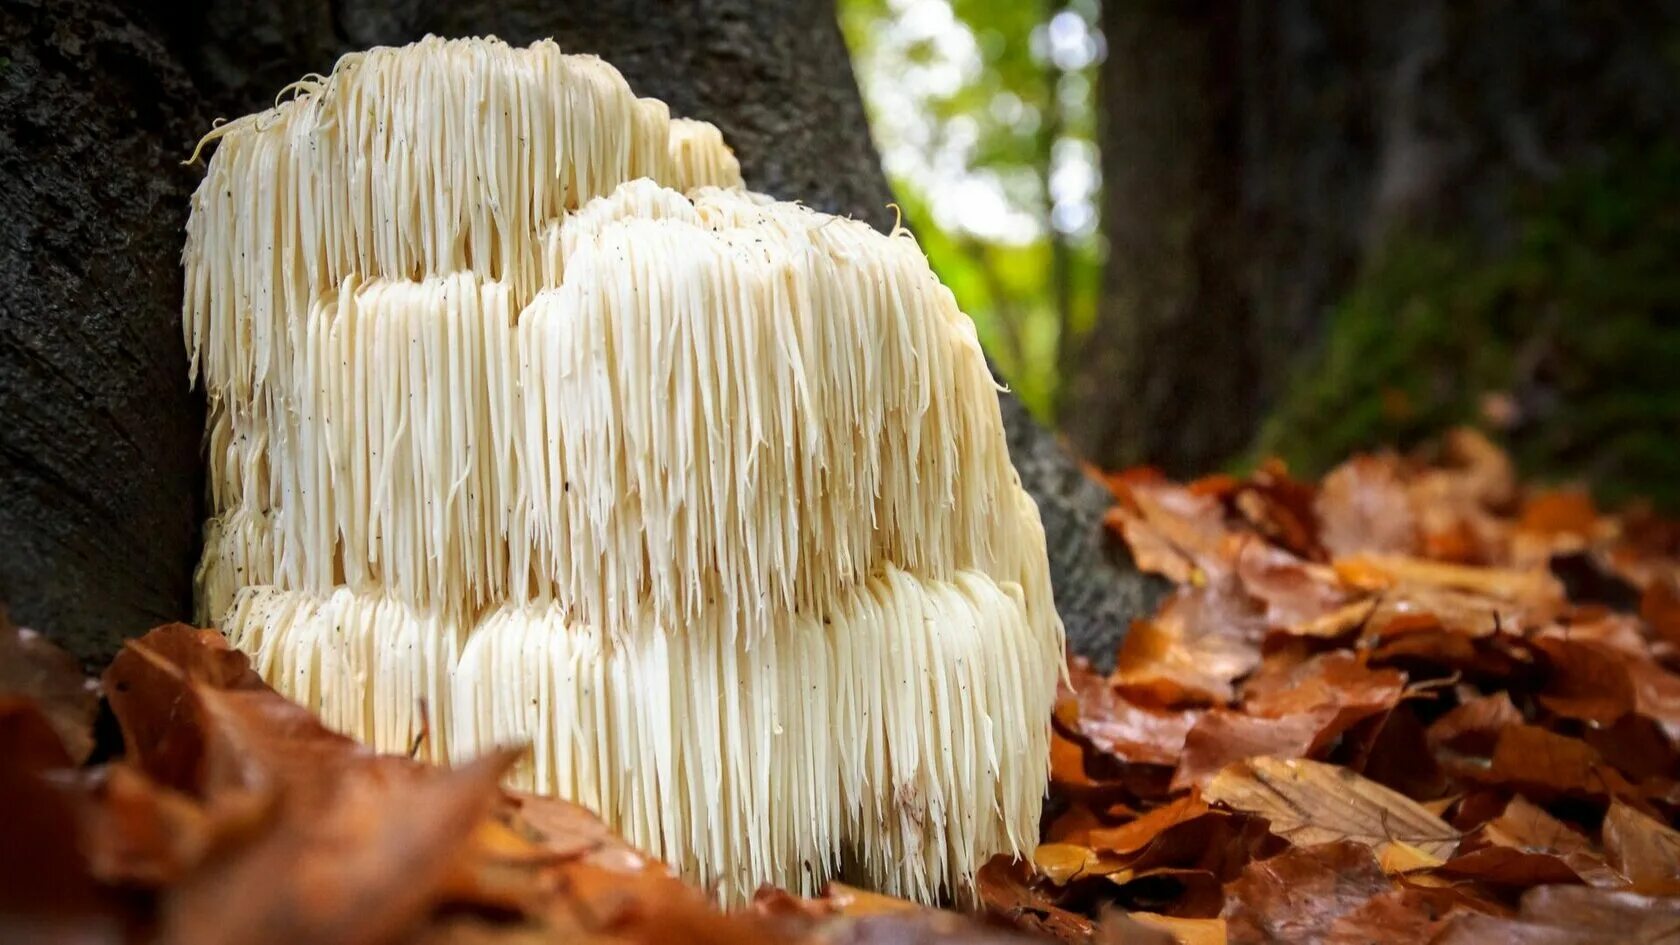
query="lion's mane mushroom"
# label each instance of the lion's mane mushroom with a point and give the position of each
(527, 423)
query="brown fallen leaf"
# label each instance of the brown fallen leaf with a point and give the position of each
(1202, 640)
(1397, 917)
(1294, 591)
(1530, 587)
(1335, 679)
(1543, 764)
(1310, 803)
(1223, 737)
(1297, 896)
(1172, 530)
(1124, 729)
(1135, 928)
(32, 667)
(1525, 846)
(1643, 849)
(1365, 508)
(1573, 915)
(1600, 683)
(1008, 892)
(148, 684)
(1472, 727)
(47, 890)
(1659, 607)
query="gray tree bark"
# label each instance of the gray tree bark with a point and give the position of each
(775, 77)
(1257, 152)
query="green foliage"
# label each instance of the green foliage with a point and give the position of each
(993, 120)
(1576, 325)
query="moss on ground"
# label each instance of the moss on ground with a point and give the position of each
(1564, 344)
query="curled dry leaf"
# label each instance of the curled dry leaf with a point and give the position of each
(1124, 729)
(1174, 531)
(1310, 803)
(1149, 928)
(1543, 764)
(1572, 915)
(1202, 640)
(33, 667)
(1472, 727)
(1298, 896)
(1008, 892)
(1643, 849)
(1525, 846)
(1364, 507)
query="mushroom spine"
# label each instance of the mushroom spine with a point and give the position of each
(529, 423)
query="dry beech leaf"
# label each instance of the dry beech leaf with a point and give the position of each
(1573, 915)
(1298, 895)
(1365, 507)
(1310, 803)
(1008, 892)
(1544, 765)
(1177, 930)
(1472, 727)
(1202, 640)
(1223, 737)
(1381, 572)
(1525, 846)
(1643, 849)
(1396, 917)
(1124, 729)
(33, 667)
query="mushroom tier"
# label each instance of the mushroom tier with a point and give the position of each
(899, 740)
(704, 495)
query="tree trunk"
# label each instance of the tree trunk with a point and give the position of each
(1256, 153)
(775, 77)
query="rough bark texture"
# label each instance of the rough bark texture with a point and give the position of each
(1256, 152)
(101, 465)
(99, 436)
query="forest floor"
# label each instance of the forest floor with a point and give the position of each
(1416, 701)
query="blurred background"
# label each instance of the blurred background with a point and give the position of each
(1199, 232)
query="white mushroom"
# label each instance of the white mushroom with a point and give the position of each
(703, 495)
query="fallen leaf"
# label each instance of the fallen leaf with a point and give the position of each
(1397, 917)
(1598, 683)
(1294, 591)
(1177, 930)
(1202, 639)
(1525, 846)
(1364, 506)
(148, 685)
(1573, 915)
(1222, 737)
(47, 891)
(1297, 896)
(1643, 849)
(1124, 729)
(1531, 586)
(1473, 727)
(32, 667)
(1337, 680)
(1173, 531)
(1660, 609)
(1543, 765)
(365, 867)
(1310, 803)
(1008, 892)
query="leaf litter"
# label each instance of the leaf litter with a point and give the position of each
(1414, 702)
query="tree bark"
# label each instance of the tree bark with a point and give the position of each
(775, 77)
(99, 435)
(1256, 153)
